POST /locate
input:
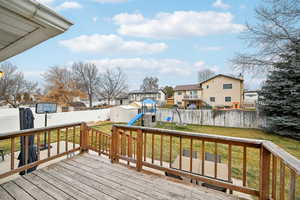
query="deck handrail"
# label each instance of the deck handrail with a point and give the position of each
(7, 135)
(270, 156)
(74, 132)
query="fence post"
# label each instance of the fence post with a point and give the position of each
(265, 160)
(114, 145)
(83, 138)
(139, 151)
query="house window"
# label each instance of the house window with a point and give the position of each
(227, 99)
(212, 99)
(207, 86)
(227, 86)
(179, 93)
(179, 102)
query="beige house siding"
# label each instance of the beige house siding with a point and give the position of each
(179, 95)
(214, 88)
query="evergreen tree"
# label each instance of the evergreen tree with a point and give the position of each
(280, 96)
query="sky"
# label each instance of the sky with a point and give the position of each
(169, 39)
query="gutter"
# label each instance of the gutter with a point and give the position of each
(38, 13)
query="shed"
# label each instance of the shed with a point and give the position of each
(123, 113)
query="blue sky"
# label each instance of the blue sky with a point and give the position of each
(165, 38)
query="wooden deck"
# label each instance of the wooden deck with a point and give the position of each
(94, 177)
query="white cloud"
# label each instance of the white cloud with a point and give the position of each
(95, 19)
(69, 5)
(111, 1)
(177, 24)
(221, 4)
(159, 66)
(111, 44)
(209, 48)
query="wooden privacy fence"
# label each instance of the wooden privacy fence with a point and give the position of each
(158, 148)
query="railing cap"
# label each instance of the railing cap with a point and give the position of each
(7, 135)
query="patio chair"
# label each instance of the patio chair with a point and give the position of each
(2, 154)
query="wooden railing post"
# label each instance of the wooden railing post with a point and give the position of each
(265, 162)
(83, 138)
(114, 149)
(139, 151)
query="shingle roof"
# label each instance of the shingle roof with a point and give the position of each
(187, 87)
(228, 76)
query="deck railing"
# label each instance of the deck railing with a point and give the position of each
(255, 167)
(158, 148)
(71, 134)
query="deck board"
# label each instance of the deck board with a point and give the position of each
(94, 177)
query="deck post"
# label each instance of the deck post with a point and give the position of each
(83, 138)
(139, 151)
(114, 145)
(265, 163)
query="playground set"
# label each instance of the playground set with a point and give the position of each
(147, 114)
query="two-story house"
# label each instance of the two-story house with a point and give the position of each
(137, 95)
(219, 91)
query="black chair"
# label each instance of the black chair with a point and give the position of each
(2, 154)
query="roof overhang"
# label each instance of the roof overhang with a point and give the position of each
(26, 23)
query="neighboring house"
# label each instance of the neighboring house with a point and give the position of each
(138, 95)
(218, 91)
(185, 95)
(122, 99)
(250, 99)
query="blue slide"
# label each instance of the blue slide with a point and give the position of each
(136, 118)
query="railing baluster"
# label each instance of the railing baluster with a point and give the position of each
(74, 136)
(67, 138)
(12, 155)
(203, 157)
(99, 144)
(191, 155)
(180, 152)
(58, 141)
(244, 165)
(292, 191)
(26, 150)
(92, 139)
(145, 146)
(216, 160)
(274, 177)
(161, 150)
(130, 145)
(152, 148)
(49, 142)
(282, 181)
(170, 158)
(229, 164)
(265, 159)
(38, 144)
(229, 161)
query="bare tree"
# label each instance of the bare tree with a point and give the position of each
(205, 74)
(13, 86)
(60, 86)
(277, 30)
(112, 83)
(150, 84)
(87, 77)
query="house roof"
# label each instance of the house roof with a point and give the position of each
(24, 24)
(187, 87)
(228, 76)
(143, 92)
